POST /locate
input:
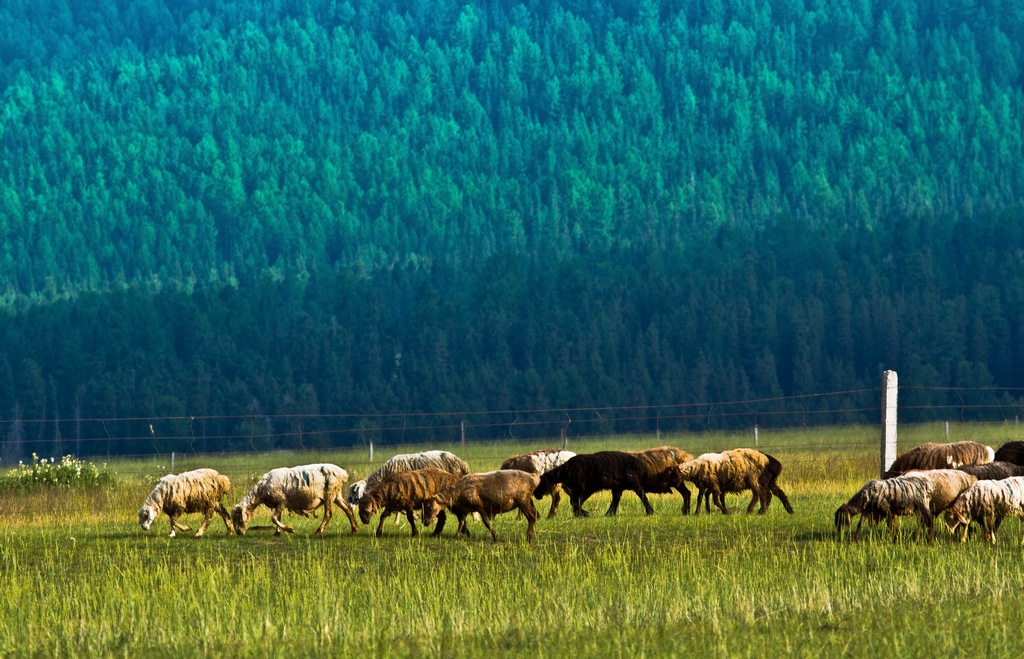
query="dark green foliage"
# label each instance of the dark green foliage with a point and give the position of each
(248, 216)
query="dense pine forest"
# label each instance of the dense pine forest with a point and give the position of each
(236, 223)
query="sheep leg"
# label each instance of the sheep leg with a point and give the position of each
(685, 491)
(530, 511)
(462, 527)
(718, 498)
(226, 516)
(577, 506)
(275, 517)
(777, 491)
(614, 508)
(440, 524)
(487, 522)
(380, 526)
(176, 525)
(328, 511)
(556, 498)
(754, 500)
(208, 515)
(648, 508)
(347, 509)
(412, 523)
(856, 535)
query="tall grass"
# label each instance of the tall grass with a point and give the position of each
(80, 577)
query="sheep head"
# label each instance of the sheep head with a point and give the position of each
(666, 479)
(431, 508)
(367, 508)
(958, 516)
(844, 517)
(146, 516)
(356, 492)
(240, 518)
(544, 488)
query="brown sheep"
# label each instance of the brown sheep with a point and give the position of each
(716, 474)
(941, 456)
(405, 491)
(993, 471)
(541, 462)
(489, 493)
(657, 460)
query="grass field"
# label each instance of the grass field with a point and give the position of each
(79, 577)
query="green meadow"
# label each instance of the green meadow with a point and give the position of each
(79, 577)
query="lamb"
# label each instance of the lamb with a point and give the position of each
(197, 491)
(886, 499)
(301, 490)
(941, 456)
(449, 462)
(489, 493)
(541, 462)
(657, 460)
(716, 474)
(987, 502)
(994, 471)
(405, 491)
(586, 474)
(1011, 452)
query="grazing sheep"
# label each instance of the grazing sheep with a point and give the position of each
(1011, 452)
(946, 485)
(987, 502)
(886, 499)
(716, 474)
(301, 490)
(489, 493)
(941, 456)
(541, 462)
(405, 491)
(656, 461)
(197, 491)
(588, 473)
(444, 460)
(993, 471)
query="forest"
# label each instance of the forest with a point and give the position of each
(233, 224)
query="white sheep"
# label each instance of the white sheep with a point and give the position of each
(197, 491)
(941, 456)
(301, 490)
(987, 502)
(444, 460)
(886, 499)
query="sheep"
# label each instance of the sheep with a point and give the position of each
(941, 456)
(449, 462)
(197, 491)
(886, 499)
(987, 502)
(588, 473)
(1011, 452)
(657, 460)
(405, 491)
(993, 471)
(301, 490)
(946, 485)
(489, 493)
(540, 462)
(716, 474)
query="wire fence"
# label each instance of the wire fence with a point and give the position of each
(495, 435)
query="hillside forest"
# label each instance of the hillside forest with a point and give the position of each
(230, 225)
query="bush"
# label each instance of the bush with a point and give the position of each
(49, 474)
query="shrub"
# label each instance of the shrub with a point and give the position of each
(50, 474)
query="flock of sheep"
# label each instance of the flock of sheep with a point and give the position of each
(967, 481)
(434, 482)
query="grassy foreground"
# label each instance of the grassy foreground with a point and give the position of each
(80, 577)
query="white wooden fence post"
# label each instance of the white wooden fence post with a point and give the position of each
(889, 392)
(755, 436)
(371, 451)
